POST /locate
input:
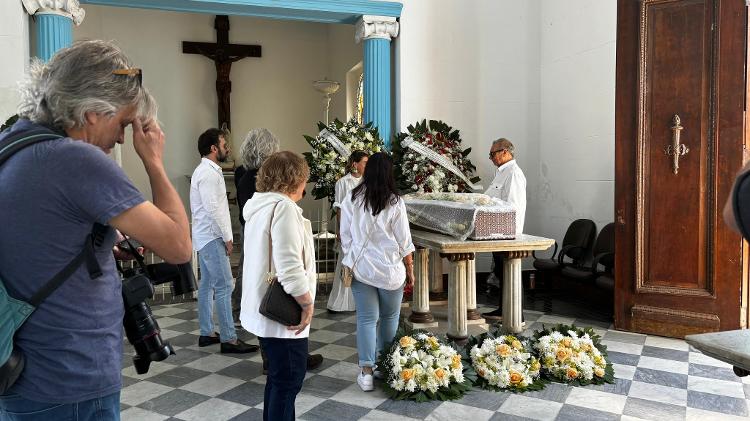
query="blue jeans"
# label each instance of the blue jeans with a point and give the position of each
(373, 305)
(15, 408)
(216, 282)
(287, 365)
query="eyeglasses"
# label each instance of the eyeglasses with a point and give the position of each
(492, 153)
(130, 72)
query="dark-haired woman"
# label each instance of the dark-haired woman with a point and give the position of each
(377, 245)
(341, 298)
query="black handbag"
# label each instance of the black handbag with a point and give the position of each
(276, 304)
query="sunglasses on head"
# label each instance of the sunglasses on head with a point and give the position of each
(130, 72)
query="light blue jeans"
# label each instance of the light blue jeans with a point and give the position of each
(375, 305)
(215, 283)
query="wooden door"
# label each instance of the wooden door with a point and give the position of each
(680, 135)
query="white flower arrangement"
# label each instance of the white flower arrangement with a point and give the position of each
(573, 355)
(505, 362)
(419, 366)
(327, 165)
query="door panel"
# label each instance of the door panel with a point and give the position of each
(679, 140)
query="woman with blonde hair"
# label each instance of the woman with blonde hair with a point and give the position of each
(282, 243)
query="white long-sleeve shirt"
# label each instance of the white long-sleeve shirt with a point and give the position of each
(344, 187)
(293, 257)
(209, 205)
(380, 264)
(510, 185)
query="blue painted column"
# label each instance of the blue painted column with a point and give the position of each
(376, 33)
(54, 24)
(53, 32)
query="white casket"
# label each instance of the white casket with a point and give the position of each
(474, 216)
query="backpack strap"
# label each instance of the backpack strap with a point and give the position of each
(15, 143)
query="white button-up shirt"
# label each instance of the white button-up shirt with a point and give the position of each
(380, 263)
(510, 185)
(209, 205)
(344, 187)
(293, 257)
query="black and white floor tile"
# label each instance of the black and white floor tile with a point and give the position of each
(656, 379)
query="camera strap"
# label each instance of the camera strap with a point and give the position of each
(15, 143)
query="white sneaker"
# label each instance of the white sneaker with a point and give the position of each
(377, 374)
(365, 382)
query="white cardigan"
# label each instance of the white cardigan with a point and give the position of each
(291, 238)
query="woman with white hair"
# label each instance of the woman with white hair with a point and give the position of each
(258, 145)
(54, 191)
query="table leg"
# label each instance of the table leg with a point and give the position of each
(421, 295)
(513, 291)
(471, 290)
(457, 322)
(436, 272)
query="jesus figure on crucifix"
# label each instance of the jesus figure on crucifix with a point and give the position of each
(223, 54)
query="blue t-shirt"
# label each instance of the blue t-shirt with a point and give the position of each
(51, 194)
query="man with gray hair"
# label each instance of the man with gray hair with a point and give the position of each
(509, 185)
(54, 191)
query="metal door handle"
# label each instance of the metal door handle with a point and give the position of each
(676, 149)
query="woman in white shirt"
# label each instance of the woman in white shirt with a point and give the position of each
(341, 298)
(376, 243)
(272, 212)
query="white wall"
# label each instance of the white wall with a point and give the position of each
(476, 68)
(274, 91)
(577, 142)
(538, 72)
(14, 50)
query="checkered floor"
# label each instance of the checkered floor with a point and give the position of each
(657, 379)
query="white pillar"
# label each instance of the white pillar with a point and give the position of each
(420, 310)
(457, 322)
(471, 289)
(513, 291)
(436, 272)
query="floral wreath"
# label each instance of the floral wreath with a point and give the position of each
(421, 367)
(573, 355)
(327, 165)
(502, 363)
(415, 173)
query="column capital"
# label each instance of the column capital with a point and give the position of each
(369, 27)
(71, 9)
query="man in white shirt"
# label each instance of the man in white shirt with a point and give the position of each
(509, 185)
(212, 238)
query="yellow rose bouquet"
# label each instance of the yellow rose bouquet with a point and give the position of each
(420, 366)
(573, 355)
(502, 363)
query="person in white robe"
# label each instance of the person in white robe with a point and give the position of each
(509, 185)
(341, 298)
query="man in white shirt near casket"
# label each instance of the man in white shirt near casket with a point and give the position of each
(509, 185)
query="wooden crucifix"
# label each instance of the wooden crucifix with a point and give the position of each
(223, 55)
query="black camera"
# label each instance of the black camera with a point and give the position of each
(141, 328)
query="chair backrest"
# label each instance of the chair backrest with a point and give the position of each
(580, 233)
(605, 244)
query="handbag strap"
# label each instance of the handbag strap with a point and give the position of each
(270, 273)
(367, 240)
